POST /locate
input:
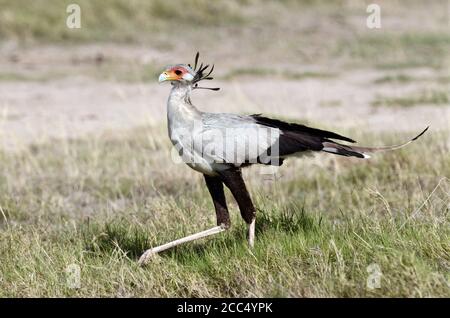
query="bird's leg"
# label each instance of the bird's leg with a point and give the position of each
(153, 251)
(233, 180)
(251, 233)
(215, 187)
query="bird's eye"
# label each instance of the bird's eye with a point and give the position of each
(178, 72)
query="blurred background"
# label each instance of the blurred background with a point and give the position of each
(86, 176)
(308, 59)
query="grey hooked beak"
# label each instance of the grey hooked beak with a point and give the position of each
(163, 77)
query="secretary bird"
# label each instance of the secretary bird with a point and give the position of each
(218, 145)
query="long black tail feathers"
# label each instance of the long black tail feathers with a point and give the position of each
(363, 152)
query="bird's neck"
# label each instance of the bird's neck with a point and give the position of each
(180, 100)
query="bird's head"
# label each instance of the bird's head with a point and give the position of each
(186, 75)
(177, 73)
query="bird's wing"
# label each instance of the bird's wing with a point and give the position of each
(235, 139)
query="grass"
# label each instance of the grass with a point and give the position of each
(107, 70)
(398, 51)
(426, 97)
(272, 73)
(118, 21)
(132, 72)
(397, 78)
(402, 78)
(320, 224)
(221, 26)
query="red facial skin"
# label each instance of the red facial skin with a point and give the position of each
(177, 72)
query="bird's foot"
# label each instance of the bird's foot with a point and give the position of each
(148, 254)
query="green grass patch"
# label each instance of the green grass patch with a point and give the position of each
(115, 21)
(431, 97)
(397, 51)
(405, 79)
(398, 78)
(285, 74)
(320, 225)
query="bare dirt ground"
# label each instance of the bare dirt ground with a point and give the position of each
(35, 109)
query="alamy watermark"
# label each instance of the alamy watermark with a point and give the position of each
(73, 20)
(73, 276)
(373, 21)
(374, 278)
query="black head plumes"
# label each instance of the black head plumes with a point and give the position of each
(202, 73)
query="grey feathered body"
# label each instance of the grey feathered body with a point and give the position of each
(210, 142)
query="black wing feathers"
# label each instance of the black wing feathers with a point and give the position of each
(297, 138)
(297, 128)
